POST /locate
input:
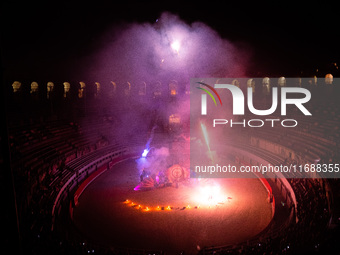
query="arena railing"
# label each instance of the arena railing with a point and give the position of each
(84, 165)
(252, 155)
(299, 191)
(82, 168)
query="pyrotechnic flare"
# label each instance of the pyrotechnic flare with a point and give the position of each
(175, 46)
(146, 151)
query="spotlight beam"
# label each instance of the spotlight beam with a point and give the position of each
(205, 134)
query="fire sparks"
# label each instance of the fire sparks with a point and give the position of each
(145, 208)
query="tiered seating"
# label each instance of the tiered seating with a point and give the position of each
(45, 156)
(297, 238)
(86, 147)
(312, 140)
(40, 153)
(307, 139)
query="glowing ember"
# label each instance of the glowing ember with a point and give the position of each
(209, 196)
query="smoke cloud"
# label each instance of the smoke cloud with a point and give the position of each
(168, 49)
(157, 161)
(165, 50)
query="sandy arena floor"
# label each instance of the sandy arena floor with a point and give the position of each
(239, 211)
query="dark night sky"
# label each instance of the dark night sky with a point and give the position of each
(46, 40)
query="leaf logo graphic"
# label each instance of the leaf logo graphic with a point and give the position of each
(209, 93)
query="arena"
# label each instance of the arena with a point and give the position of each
(93, 189)
(116, 141)
(103, 208)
